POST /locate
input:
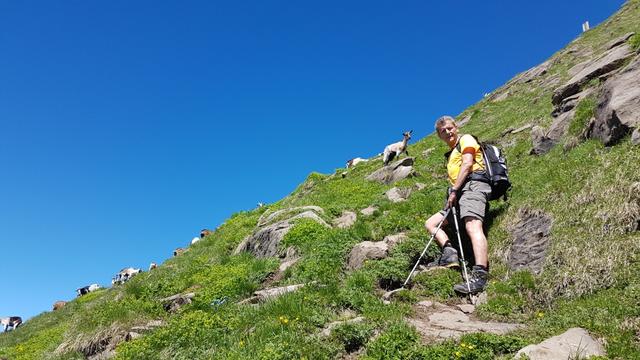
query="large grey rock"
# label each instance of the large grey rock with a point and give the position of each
(619, 41)
(346, 220)
(544, 140)
(618, 110)
(367, 250)
(541, 141)
(570, 102)
(533, 73)
(395, 239)
(397, 194)
(264, 242)
(531, 236)
(393, 172)
(575, 343)
(442, 322)
(609, 61)
(267, 217)
(173, 303)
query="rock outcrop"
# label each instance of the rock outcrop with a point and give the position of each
(575, 343)
(268, 218)
(264, 241)
(531, 239)
(393, 172)
(137, 331)
(607, 126)
(533, 73)
(618, 110)
(435, 321)
(346, 220)
(607, 62)
(398, 194)
(373, 250)
(366, 250)
(173, 303)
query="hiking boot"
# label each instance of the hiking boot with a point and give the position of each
(448, 258)
(477, 282)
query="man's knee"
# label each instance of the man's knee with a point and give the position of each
(473, 226)
(432, 223)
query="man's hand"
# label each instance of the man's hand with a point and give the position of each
(453, 199)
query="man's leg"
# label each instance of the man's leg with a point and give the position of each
(479, 274)
(478, 240)
(432, 224)
(449, 256)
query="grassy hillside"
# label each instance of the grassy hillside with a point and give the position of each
(589, 278)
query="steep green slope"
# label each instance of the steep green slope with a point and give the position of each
(589, 277)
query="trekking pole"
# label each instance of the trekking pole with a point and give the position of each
(464, 262)
(426, 247)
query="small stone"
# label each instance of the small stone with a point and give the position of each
(369, 210)
(466, 308)
(635, 137)
(397, 194)
(425, 303)
(389, 294)
(427, 152)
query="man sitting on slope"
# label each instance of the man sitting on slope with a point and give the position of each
(471, 199)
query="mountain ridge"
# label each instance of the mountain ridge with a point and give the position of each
(581, 195)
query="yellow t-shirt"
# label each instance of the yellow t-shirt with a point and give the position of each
(467, 144)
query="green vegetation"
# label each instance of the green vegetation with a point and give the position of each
(634, 41)
(589, 278)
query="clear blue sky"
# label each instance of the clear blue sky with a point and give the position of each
(127, 126)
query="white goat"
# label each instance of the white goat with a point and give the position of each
(353, 162)
(124, 275)
(87, 289)
(10, 323)
(395, 149)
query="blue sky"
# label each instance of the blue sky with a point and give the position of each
(126, 127)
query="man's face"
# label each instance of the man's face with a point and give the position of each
(448, 132)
